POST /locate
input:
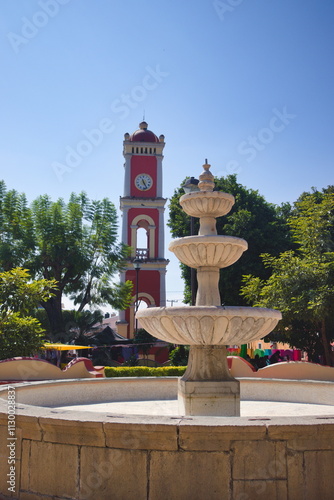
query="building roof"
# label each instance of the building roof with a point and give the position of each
(107, 336)
(143, 134)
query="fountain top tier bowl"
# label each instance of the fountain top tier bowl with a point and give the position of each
(213, 204)
(206, 203)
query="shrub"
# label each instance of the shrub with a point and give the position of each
(179, 356)
(144, 371)
(19, 336)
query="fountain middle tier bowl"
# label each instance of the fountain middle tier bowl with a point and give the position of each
(201, 251)
(208, 325)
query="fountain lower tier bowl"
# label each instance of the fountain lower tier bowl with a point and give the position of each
(201, 251)
(208, 325)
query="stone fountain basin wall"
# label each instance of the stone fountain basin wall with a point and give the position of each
(86, 391)
(81, 455)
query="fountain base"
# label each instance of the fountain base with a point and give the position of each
(207, 387)
(209, 398)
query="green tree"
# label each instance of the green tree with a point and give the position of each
(16, 229)
(301, 285)
(77, 324)
(74, 243)
(262, 224)
(144, 340)
(179, 356)
(20, 332)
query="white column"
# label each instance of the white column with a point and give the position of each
(127, 179)
(125, 213)
(159, 176)
(162, 287)
(151, 249)
(161, 235)
(121, 315)
(122, 277)
(133, 240)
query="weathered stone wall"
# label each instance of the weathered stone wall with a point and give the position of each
(40, 369)
(93, 456)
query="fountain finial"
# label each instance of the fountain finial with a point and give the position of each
(206, 182)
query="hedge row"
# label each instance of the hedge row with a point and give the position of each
(144, 371)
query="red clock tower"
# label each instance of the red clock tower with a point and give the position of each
(143, 209)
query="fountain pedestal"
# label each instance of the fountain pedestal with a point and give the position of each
(207, 387)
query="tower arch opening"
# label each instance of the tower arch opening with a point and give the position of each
(140, 225)
(142, 241)
(144, 300)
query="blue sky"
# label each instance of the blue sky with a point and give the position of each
(247, 84)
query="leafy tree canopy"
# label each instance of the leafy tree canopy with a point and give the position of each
(74, 243)
(262, 224)
(20, 333)
(301, 283)
(20, 295)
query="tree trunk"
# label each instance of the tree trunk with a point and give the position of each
(54, 312)
(325, 344)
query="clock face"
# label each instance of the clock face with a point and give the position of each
(143, 182)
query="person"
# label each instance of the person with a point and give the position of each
(254, 362)
(274, 358)
(262, 362)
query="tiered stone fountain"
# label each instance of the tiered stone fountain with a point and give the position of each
(207, 388)
(170, 456)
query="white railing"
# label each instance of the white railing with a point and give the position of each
(142, 253)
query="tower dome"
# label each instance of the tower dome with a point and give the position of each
(143, 134)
